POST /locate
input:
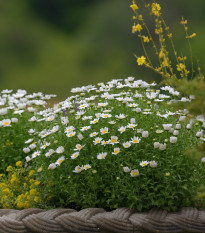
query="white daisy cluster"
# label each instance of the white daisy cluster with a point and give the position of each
(12, 105)
(127, 122)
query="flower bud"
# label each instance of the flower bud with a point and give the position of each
(173, 139)
(178, 126)
(126, 169)
(153, 164)
(176, 132)
(199, 134)
(182, 118)
(26, 150)
(156, 144)
(203, 160)
(145, 134)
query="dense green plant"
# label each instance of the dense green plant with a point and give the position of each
(16, 109)
(188, 80)
(117, 145)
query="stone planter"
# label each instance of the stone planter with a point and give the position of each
(89, 220)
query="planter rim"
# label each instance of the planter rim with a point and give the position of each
(96, 220)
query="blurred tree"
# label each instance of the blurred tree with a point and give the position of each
(66, 14)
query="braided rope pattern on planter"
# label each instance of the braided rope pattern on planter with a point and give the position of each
(93, 220)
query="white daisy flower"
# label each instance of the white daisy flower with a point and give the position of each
(126, 144)
(46, 144)
(106, 115)
(87, 118)
(6, 122)
(86, 167)
(114, 140)
(64, 120)
(97, 140)
(60, 150)
(104, 143)
(102, 155)
(78, 169)
(35, 154)
(134, 173)
(93, 134)
(94, 121)
(49, 153)
(104, 130)
(60, 160)
(132, 105)
(122, 129)
(70, 134)
(55, 129)
(75, 155)
(69, 129)
(102, 104)
(83, 106)
(85, 128)
(135, 140)
(116, 151)
(131, 126)
(50, 118)
(144, 163)
(79, 147)
(112, 122)
(98, 115)
(121, 116)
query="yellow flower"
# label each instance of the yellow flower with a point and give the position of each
(181, 67)
(9, 168)
(33, 192)
(136, 28)
(146, 39)
(20, 204)
(6, 191)
(141, 60)
(134, 7)
(29, 198)
(31, 172)
(36, 199)
(37, 183)
(156, 9)
(19, 164)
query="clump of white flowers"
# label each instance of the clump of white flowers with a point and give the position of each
(123, 131)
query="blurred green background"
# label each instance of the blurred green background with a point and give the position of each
(54, 45)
